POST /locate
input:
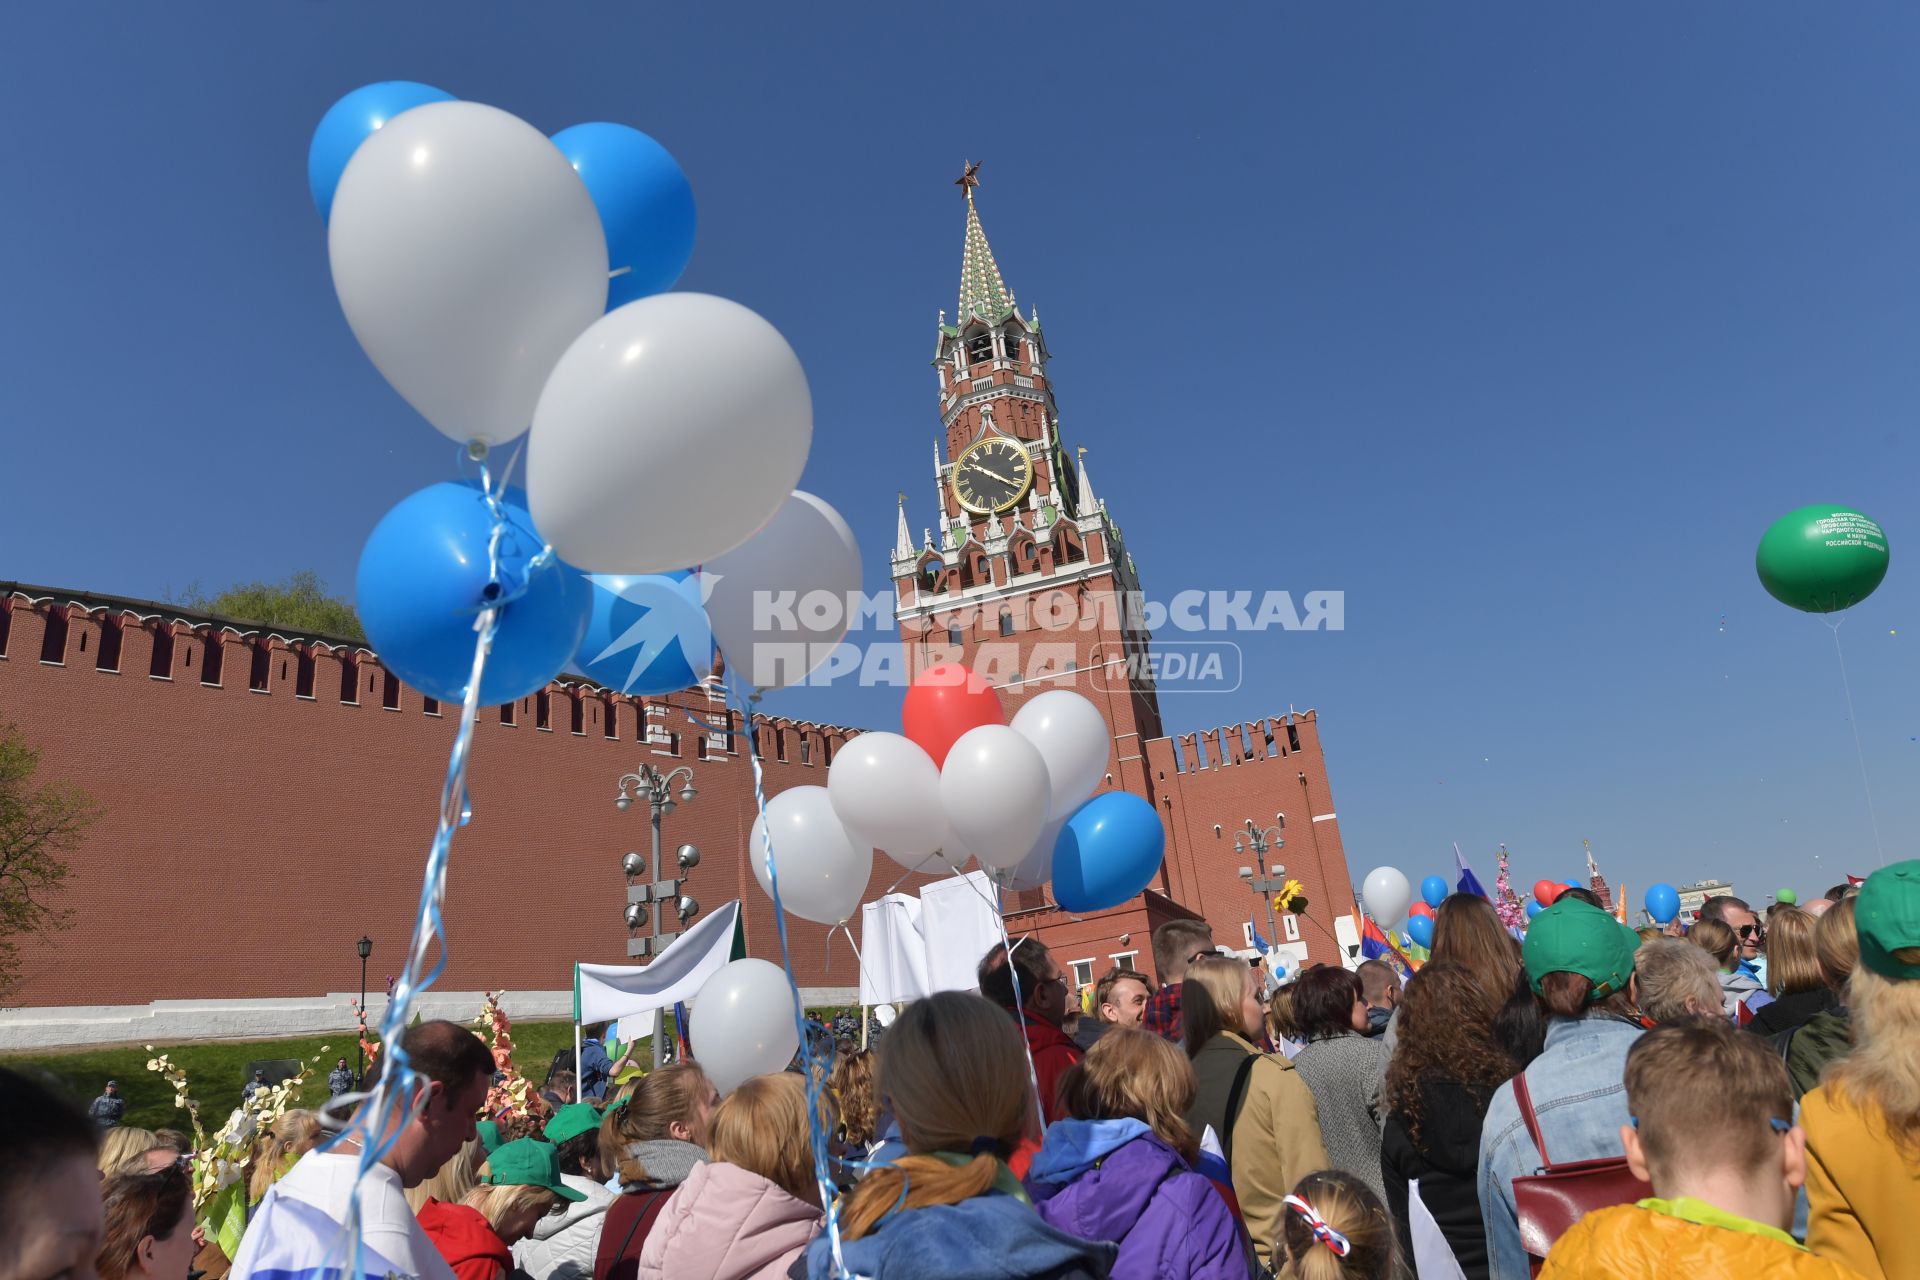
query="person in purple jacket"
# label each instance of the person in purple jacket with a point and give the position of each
(1120, 1167)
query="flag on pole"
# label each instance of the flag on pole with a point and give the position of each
(1375, 945)
(1620, 904)
(1260, 942)
(1469, 883)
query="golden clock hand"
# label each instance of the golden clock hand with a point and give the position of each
(995, 474)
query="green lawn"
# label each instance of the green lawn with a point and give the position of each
(216, 1071)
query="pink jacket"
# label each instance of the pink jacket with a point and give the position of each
(725, 1223)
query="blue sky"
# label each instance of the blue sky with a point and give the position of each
(1517, 323)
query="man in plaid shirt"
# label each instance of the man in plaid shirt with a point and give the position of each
(1175, 944)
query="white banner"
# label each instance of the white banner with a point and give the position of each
(893, 953)
(605, 992)
(960, 920)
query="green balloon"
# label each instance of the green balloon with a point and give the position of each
(1822, 558)
(1787, 896)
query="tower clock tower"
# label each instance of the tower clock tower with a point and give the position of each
(1024, 576)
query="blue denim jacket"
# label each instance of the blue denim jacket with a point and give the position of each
(1579, 1093)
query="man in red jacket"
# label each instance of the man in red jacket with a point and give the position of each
(1041, 1008)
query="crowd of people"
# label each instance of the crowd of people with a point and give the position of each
(1586, 1101)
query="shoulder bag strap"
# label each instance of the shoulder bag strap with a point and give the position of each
(1236, 1098)
(1532, 1121)
(639, 1219)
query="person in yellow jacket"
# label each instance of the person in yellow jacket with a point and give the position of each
(1863, 1122)
(1712, 1131)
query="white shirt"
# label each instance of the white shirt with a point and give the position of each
(323, 1181)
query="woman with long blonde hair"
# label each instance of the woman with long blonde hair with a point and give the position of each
(955, 1074)
(1795, 979)
(1259, 1109)
(755, 1204)
(1826, 1037)
(653, 1139)
(1120, 1167)
(1863, 1122)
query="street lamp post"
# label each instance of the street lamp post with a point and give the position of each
(1266, 884)
(365, 948)
(646, 902)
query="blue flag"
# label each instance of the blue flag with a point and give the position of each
(1260, 943)
(1469, 883)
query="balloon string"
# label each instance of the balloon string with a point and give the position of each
(822, 1165)
(1019, 1001)
(1860, 751)
(378, 1124)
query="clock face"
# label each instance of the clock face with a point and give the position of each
(991, 475)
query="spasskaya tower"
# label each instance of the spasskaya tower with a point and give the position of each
(1024, 576)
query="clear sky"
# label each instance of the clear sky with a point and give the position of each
(1517, 323)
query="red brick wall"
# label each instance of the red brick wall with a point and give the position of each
(250, 837)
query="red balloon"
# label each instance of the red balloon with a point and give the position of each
(1545, 891)
(1420, 909)
(944, 702)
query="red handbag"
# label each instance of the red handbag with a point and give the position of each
(1551, 1201)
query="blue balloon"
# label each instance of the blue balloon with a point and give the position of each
(1534, 908)
(645, 203)
(350, 122)
(1663, 902)
(1434, 890)
(1108, 851)
(648, 634)
(424, 579)
(1421, 927)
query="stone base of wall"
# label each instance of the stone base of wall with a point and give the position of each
(175, 1021)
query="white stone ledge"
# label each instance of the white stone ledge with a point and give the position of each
(174, 1021)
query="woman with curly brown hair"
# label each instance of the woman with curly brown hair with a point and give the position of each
(1438, 1086)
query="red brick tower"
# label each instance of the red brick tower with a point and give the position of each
(1025, 577)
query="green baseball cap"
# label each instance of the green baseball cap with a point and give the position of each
(489, 1135)
(529, 1162)
(1572, 936)
(1886, 911)
(571, 1121)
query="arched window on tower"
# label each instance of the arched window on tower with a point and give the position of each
(1006, 622)
(980, 348)
(1012, 340)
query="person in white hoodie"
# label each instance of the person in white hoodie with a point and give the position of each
(749, 1212)
(562, 1246)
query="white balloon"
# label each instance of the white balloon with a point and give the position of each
(743, 1024)
(1073, 738)
(467, 255)
(823, 870)
(804, 562)
(1386, 894)
(668, 434)
(886, 790)
(1037, 867)
(994, 789)
(884, 1014)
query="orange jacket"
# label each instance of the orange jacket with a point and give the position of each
(1861, 1190)
(1628, 1242)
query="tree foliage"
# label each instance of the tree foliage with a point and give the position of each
(39, 827)
(301, 603)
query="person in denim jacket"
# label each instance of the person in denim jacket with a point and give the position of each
(1579, 961)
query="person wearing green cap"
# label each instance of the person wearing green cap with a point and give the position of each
(519, 1185)
(562, 1245)
(1863, 1122)
(1579, 962)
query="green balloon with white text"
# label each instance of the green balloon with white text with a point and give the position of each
(1822, 558)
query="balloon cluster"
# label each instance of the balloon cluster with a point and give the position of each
(504, 282)
(962, 783)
